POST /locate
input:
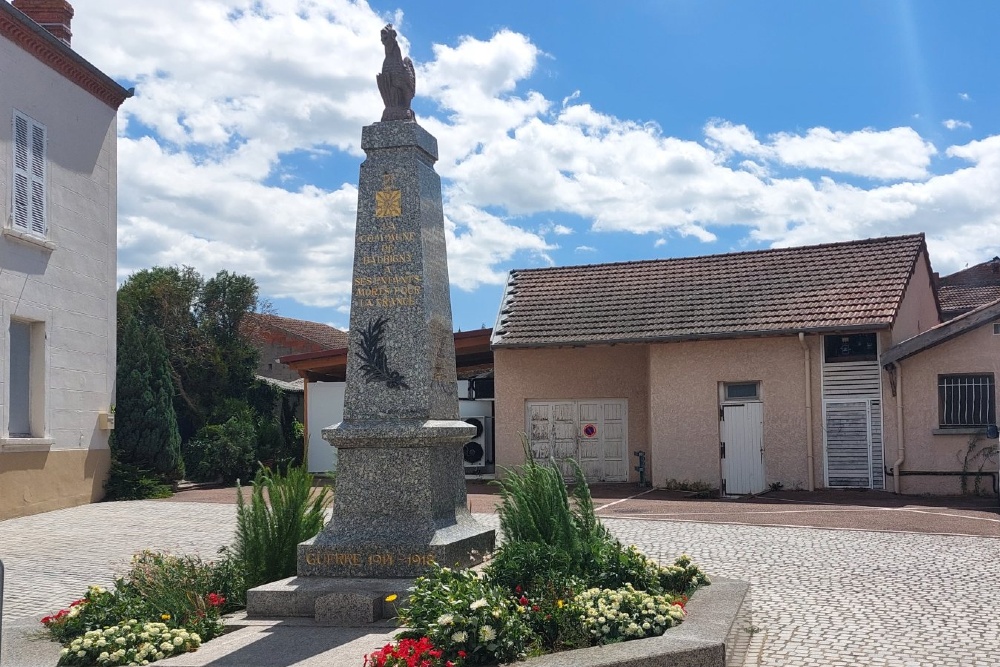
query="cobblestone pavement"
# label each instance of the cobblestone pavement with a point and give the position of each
(831, 598)
(51, 558)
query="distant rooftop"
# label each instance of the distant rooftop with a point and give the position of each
(322, 336)
(969, 288)
(830, 287)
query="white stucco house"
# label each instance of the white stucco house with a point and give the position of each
(58, 178)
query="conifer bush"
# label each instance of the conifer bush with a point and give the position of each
(145, 438)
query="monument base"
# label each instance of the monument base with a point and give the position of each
(330, 601)
(464, 544)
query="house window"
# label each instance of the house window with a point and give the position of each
(996, 329)
(850, 347)
(19, 417)
(26, 385)
(966, 401)
(742, 391)
(28, 193)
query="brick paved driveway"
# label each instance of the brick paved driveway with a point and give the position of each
(820, 597)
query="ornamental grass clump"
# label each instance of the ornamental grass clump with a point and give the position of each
(283, 511)
(129, 643)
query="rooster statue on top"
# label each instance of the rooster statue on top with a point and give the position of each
(398, 82)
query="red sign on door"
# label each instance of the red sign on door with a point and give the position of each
(590, 430)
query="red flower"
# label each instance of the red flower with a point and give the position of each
(517, 589)
(215, 599)
(523, 601)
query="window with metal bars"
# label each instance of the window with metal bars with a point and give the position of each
(966, 401)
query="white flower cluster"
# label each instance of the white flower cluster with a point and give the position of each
(617, 615)
(131, 643)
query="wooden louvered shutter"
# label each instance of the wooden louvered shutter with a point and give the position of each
(29, 175)
(37, 179)
(22, 178)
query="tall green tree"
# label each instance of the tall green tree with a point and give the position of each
(211, 360)
(145, 435)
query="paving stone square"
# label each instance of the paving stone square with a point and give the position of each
(822, 598)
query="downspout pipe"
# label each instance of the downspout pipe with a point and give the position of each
(900, 448)
(810, 458)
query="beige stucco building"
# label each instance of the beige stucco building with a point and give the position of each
(740, 371)
(58, 168)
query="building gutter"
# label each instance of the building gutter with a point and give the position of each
(498, 336)
(900, 448)
(810, 458)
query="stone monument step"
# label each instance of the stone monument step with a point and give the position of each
(338, 602)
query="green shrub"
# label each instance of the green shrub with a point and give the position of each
(183, 592)
(458, 611)
(180, 587)
(683, 577)
(98, 608)
(270, 441)
(282, 513)
(614, 615)
(129, 643)
(527, 564)
(130, 482)
(227, 450)
(535, 507)
(146, 434)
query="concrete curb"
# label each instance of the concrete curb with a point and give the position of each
(713, 635)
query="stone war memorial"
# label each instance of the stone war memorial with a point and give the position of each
(400, 503)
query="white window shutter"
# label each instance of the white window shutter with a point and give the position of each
(38, 179)
(22, 179)
(28, 203)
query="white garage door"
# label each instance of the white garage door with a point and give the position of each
(593, 432)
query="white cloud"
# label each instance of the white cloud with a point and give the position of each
(585, 248)
(964, 97)
(230, 87)
(952, 124)
(899, 153)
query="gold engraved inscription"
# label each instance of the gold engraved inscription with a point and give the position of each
(388, 291)
(386, 559)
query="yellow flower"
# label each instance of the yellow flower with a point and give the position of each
(391, 598)
(559, 603)
(165, 617)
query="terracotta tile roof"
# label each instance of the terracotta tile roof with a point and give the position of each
(969, 288)
(836, 286)
(985, 314)
(322, 336)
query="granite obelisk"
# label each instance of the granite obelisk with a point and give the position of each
(400, 502)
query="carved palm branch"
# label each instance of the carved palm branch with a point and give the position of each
(374, 362)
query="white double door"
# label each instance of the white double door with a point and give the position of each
(591, 432)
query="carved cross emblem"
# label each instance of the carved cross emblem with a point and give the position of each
(388, 200)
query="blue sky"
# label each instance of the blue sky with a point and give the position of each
(570, 132)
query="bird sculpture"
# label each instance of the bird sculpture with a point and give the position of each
(398, 82)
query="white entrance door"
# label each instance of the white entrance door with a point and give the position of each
(742, 434)
(591, 432)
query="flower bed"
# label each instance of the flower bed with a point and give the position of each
(163, 606)
(558, 582)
